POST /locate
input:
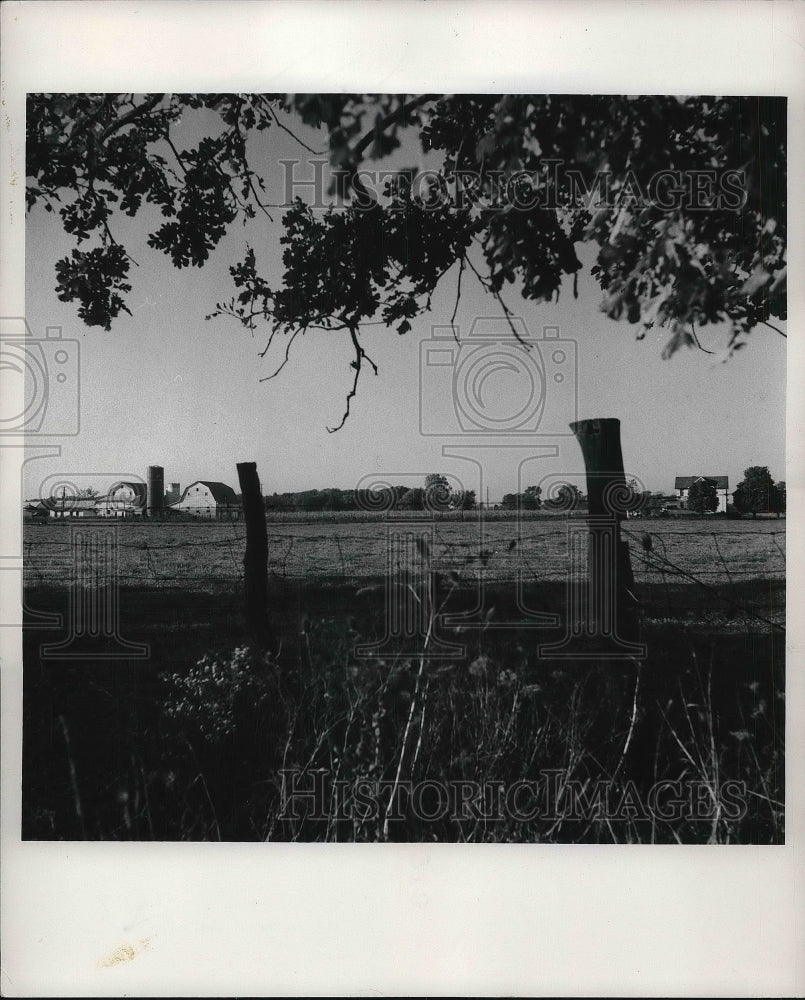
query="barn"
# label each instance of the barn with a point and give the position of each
(124, 500)
(208, 500)
(682, 485)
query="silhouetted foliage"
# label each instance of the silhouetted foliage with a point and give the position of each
(684, 197)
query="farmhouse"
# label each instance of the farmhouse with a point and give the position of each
(682, 485)
(208, 500)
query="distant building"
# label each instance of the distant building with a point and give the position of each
(59, 507)
(682, 485)
(205, 499)
(173, 495)
(124, 500)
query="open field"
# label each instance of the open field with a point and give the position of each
(208, 555)
(190, 741)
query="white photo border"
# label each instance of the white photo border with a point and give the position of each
(220, 919)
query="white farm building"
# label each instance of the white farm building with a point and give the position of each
(124, 500)
(683, 484)
(208, 500)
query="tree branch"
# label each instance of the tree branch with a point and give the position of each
(294, 335)
(776, 329)
(416, 102)
(80, 128)
(105, 220)
(270, 341)
(244, 165)
(458, 298)
(360, 356)
(696, 339)
(175, 152)
(108, 232)
(131, 116)
(488, 287)
(292, 135)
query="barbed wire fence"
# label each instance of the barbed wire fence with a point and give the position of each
(676, 571)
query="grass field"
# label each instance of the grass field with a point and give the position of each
(207, 555)
(190, 741)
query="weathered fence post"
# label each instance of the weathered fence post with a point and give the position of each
(255, 560)
(609, 568)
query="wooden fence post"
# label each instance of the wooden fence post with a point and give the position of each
(610, 576)
(255, 560)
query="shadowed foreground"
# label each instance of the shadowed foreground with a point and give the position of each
(494, 744)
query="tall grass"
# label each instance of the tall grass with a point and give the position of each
(497, 716)
(202, 741)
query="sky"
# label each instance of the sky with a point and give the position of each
(166, 387)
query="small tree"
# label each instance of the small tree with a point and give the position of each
(438, 495)
(530, 498)
(637, 498)
(779, 498)
(755, 492)
(412, 499)
(702, 496)
(567, 496)
(509, 501)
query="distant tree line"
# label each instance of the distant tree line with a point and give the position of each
(566, 497)
(436, 495)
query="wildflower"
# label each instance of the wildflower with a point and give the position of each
(479, 666)
(506, 678)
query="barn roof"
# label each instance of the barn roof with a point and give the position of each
(221, 493)
(138, 489)
(685, 482)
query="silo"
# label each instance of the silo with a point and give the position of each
(156, 490)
